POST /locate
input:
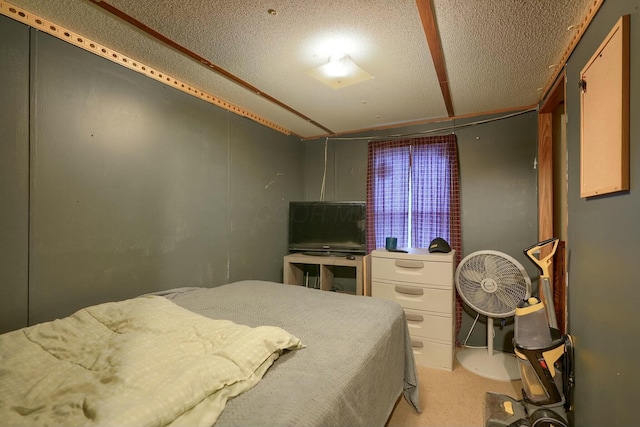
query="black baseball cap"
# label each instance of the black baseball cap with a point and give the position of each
(439, 245)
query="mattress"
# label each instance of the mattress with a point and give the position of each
(356, 362)
(249, 353)
(139, 362)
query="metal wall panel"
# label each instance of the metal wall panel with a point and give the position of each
(14, 173)
(345, 173)
(499, 203)
(602, 252)
(265, 174)
(131, 188)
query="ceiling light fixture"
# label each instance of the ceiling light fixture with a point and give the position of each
(340, 71)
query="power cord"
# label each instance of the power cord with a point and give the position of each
(324, 173)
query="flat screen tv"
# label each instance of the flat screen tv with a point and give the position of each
(327, 228)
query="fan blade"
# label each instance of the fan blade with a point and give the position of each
(475, 297)
(512, 293)
(509, 272)
(503, 305)
(490, 266)
(472, 275)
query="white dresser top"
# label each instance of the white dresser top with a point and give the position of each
(422, 254)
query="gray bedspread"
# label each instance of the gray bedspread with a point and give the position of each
(356, 362)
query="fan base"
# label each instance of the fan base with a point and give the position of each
(497, 366)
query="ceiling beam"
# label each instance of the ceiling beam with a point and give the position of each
(167, 41)
(427, 16)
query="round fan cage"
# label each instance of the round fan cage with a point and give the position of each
(492, 283)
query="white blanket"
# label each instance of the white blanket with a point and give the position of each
(144, 361)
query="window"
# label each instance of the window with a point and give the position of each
(413, 192)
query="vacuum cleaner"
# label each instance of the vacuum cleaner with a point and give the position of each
(545, 360)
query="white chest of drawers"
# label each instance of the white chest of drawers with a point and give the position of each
(422, 283)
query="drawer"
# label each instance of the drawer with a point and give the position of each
(425, 325)
(412, 271)
(432, 353)
(415, 297)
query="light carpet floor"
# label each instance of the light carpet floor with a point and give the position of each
(450, 399)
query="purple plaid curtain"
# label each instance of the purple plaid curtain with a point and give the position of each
(427, 165)
(388, 193)
(434, 166)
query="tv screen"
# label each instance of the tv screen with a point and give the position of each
(327, 227)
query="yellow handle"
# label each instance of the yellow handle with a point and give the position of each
(543, 263)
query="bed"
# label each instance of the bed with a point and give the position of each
(329, 359)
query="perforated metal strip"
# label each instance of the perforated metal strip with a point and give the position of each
(579, 32)
(68, 36)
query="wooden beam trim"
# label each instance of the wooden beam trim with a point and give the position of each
(41, 24)
(167, 41)
(555, 96)
(579, 29)
(427, 16)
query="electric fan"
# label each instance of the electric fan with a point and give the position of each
(492, 283)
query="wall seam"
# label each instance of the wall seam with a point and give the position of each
(30, 162)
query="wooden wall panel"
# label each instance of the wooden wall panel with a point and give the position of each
(545, 176)
(604, 116)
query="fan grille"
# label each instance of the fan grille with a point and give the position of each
(492, 283)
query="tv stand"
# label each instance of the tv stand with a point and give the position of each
(293, 272)
(333, 254)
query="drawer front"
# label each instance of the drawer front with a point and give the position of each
(415, 297)
(422, 324)
(412, 271)
(433, 354)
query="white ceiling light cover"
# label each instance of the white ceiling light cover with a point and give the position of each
(340, 72)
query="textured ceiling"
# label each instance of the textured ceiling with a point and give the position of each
(498, 55)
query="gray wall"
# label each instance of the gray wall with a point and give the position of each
(14, 173)
(135, 186)
(346, 169)
(499, 198)
(498, 185)
(265, 175)
(603, 236)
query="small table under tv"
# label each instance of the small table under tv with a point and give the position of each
(293, 271)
